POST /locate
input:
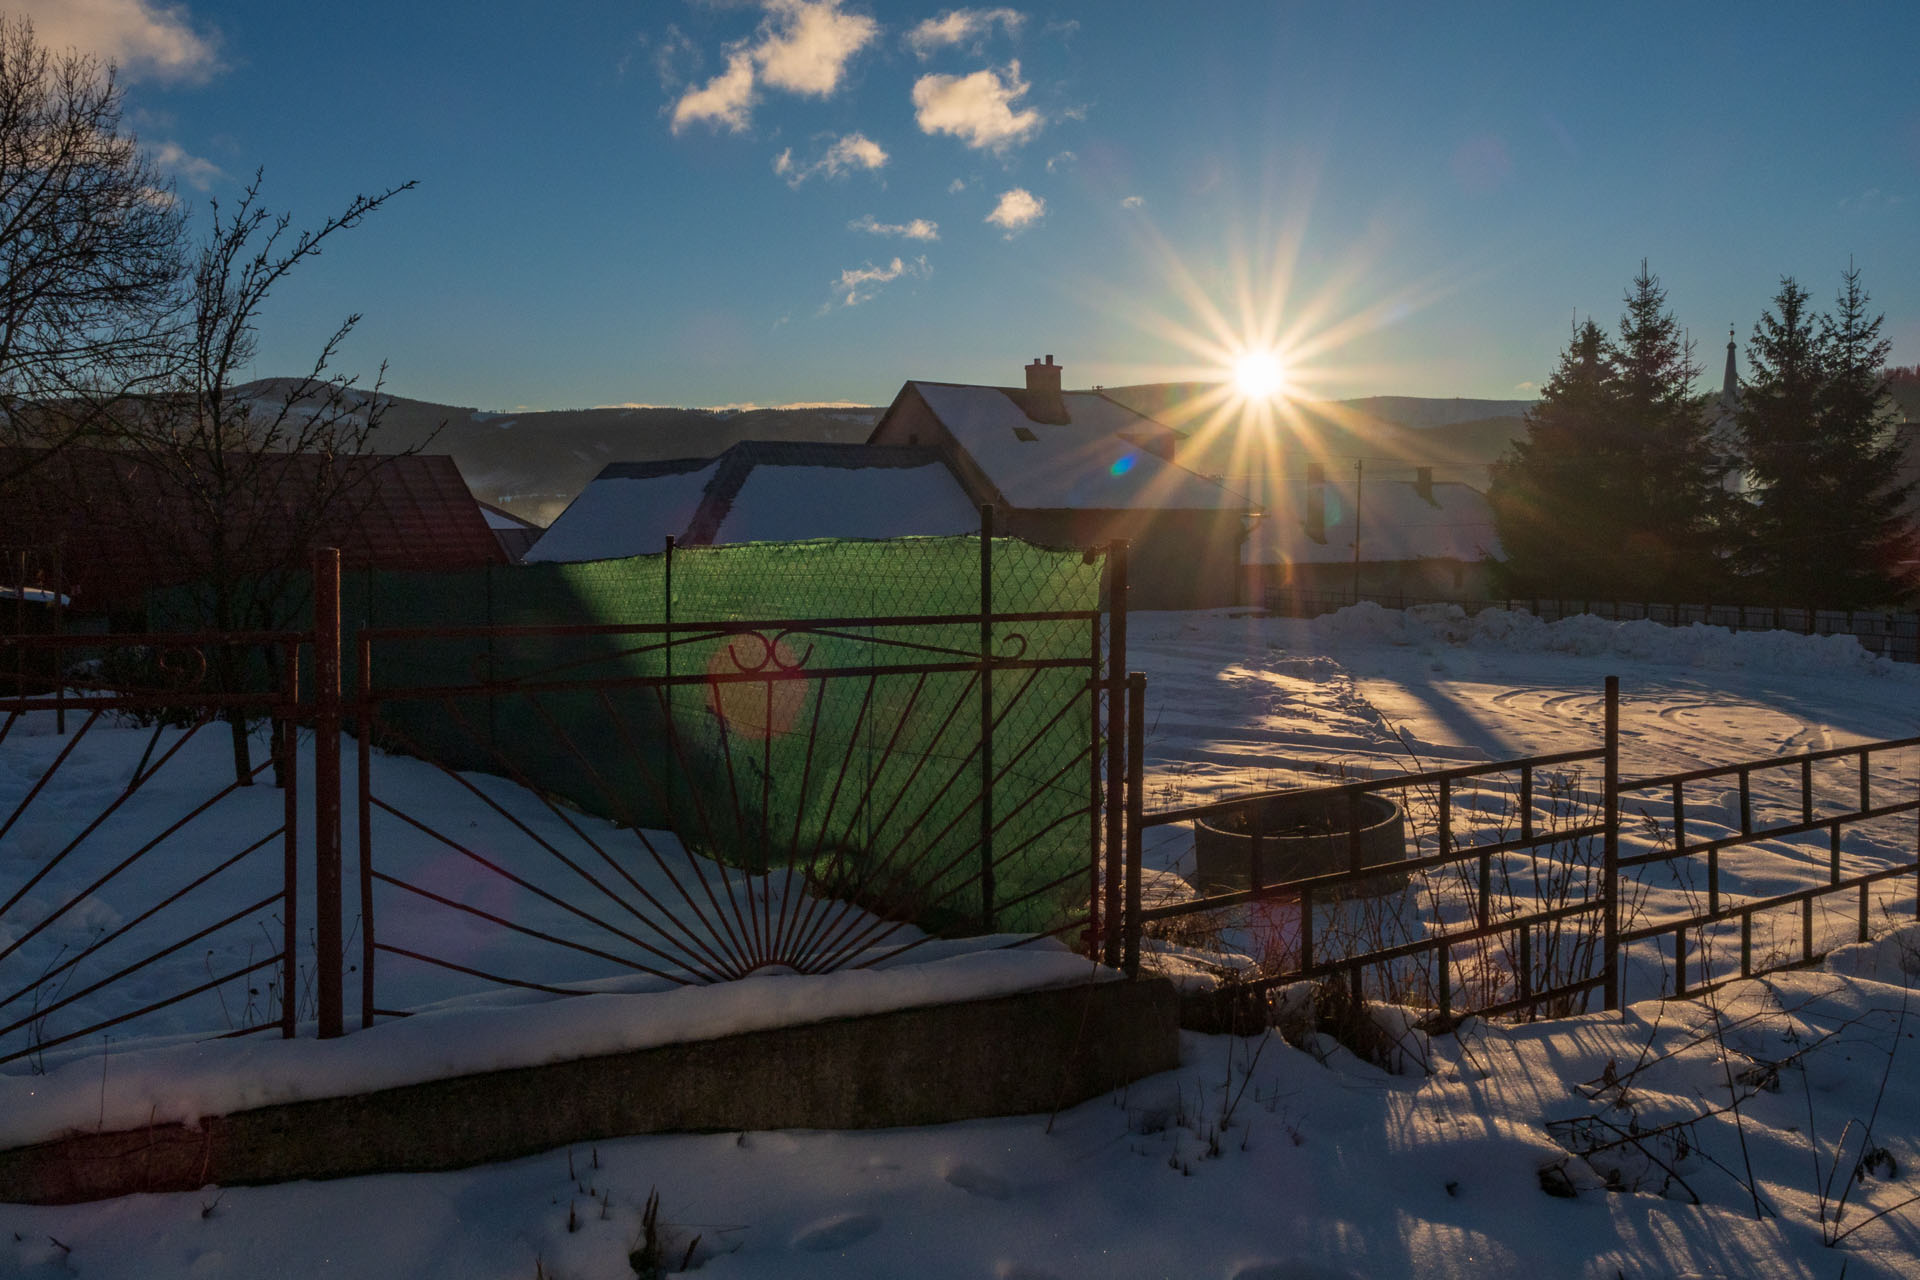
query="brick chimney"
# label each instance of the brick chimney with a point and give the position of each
(1044, 403)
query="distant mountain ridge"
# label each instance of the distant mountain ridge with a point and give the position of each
(534, 463)
(1391, 436)
(1421, 412)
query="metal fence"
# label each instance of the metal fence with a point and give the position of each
(744, 795)
(661, 801)
(1892, 633)
(169, 919)
(1511, 894)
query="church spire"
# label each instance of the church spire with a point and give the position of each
(1730, 385)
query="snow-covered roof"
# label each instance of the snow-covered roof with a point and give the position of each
(629, 509)
(1397, 522)
(499, 520)
(779, 501)
(1095, 461)
(760, 491)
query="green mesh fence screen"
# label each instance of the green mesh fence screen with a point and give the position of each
(840, 746)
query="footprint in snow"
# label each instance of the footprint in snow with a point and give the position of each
(836, 1232)
(977, 1181)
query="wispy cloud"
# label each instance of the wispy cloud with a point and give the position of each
(1132, 202)
(854, 151)
(968, 27)
(859, 284)
(726, 101)
(958, 185)
(917, 229)
(978, 109)
(1017, 210)
(147, 41)
(1872, 198)
(1060, 160)
(190, 169)
(665, 53)
(800, 46)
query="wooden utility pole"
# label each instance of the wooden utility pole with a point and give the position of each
(1359, 477)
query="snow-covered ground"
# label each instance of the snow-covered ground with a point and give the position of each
(1260, 1158)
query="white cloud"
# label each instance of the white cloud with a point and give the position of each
(805, 45)
(801, 46)
(146, 40)
(1060, 160)
(1133, 202)
(859, 284)
(855, 151)
(977, 109)
(961, 27)
(955, 187)
(1017, 210)
(726, 101)
(917, 229)
(191, 169)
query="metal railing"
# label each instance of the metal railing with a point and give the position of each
(1536, 908)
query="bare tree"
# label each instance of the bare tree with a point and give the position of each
(234, 490)
(92, 251)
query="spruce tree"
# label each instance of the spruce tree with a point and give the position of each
(1674, 515)
(1823, 528)
(1556, 494)
(1860, 447)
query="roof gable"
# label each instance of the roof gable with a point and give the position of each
(1103, 458)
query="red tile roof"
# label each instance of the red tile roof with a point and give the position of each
(123, 524)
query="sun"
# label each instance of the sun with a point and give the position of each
(1259, 375)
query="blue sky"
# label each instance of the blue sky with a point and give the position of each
(774, 201)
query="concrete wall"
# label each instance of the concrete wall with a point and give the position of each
(1033, 1052)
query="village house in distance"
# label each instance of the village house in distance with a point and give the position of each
(1059, 468)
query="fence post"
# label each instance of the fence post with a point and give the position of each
(326, 788)
(288, 744)
(1116, 743)
(1136, 748)
(666, 611)
(1610, 873)
(363, 714)
(986, 717)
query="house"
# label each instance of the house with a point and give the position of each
(1381, 540)
(1078, 469)
(759, 491)
(122, 524)
(514, 534)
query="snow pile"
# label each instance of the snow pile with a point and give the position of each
(1697, 645)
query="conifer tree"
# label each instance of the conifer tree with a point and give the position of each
(1824, 528)
(1675, 512)
(1554, 497)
